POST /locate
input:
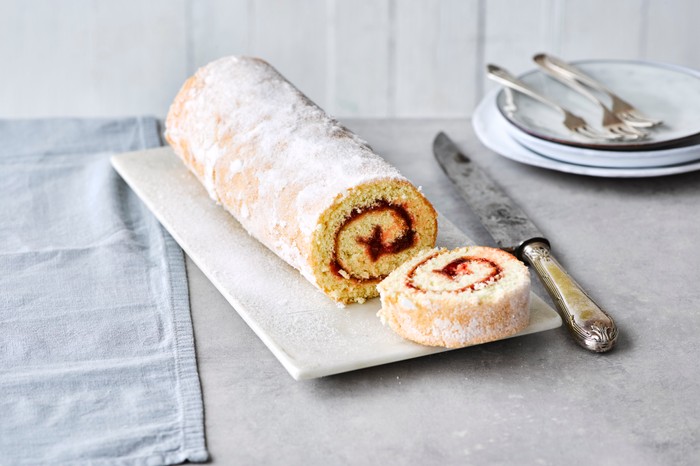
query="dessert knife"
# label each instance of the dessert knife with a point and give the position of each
(590, 326)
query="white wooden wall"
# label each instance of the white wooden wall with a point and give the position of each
(355, 58)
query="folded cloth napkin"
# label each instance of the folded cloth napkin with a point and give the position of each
(97, 362)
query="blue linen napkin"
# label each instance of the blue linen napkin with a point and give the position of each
(97, 362)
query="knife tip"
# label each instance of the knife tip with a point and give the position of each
(441, 141)
(440, 138)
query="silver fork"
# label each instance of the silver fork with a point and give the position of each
(620, 108)
(610, 121)
(573, 123)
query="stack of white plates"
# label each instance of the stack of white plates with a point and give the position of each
(524, 130)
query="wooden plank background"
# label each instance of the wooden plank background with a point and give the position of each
(355, 58)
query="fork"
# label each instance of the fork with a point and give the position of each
(622, 109)
(573, 123)
(610, 121)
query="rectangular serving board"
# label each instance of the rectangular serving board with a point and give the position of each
(306, 331)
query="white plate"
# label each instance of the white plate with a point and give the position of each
(307, 332)
(667, 92)
(598, 157)
(491, 128)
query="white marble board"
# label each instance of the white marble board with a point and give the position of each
(308, 333)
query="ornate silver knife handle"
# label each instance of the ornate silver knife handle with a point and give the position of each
(590, 326)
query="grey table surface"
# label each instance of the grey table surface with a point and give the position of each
(538, 399)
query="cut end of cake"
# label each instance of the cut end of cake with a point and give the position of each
(457, 298)
(368, 233)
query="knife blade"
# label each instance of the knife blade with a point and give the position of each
(590, 326)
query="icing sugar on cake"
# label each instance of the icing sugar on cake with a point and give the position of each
(292, 175)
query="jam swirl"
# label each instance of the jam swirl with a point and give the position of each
(374, 244)
(456, 268)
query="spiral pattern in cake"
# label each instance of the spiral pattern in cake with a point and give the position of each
(457, 298)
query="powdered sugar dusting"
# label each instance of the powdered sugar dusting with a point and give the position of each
(234, 168)
(243, 110)
(445, 310)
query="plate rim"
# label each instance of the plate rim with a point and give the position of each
(534, 159)
(573, 154)
(626, 147)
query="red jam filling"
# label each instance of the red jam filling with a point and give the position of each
(460, 266)
(374, 244)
